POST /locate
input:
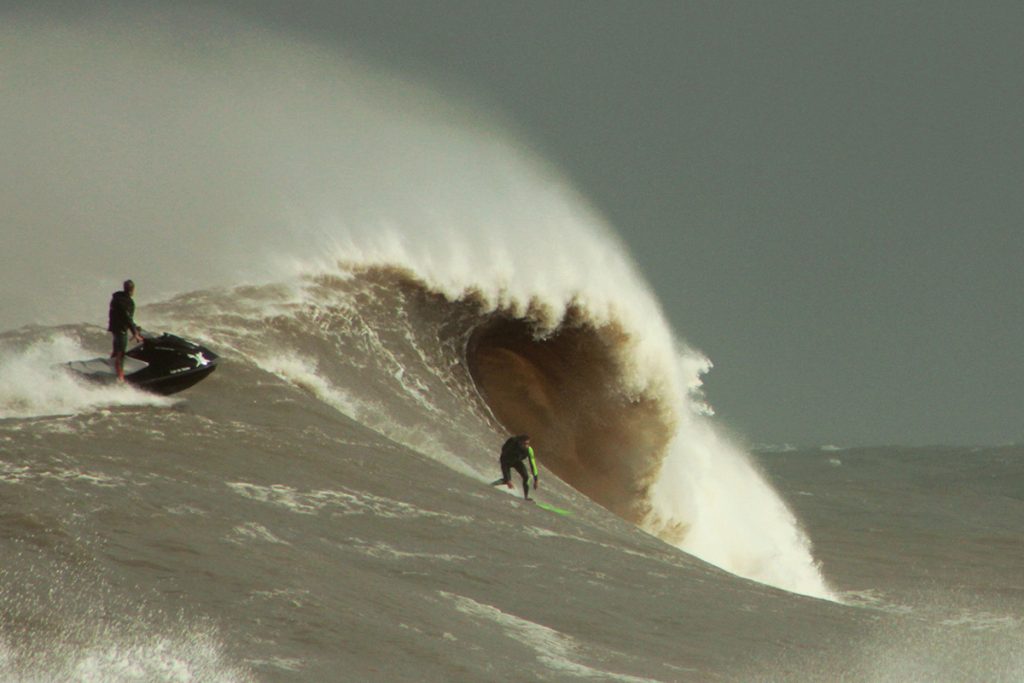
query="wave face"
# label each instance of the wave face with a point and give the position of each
(378, 210)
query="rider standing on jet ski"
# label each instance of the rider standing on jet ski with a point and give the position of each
(122, 321)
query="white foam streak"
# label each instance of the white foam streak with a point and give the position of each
(33, 383)
(557, 651)
(125, 658)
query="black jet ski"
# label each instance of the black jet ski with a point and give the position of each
(164, 364)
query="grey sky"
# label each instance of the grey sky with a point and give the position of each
(827, 197)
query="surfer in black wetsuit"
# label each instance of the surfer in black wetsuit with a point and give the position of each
(515, 450)
(121, 322)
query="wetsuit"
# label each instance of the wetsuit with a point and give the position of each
(513, 453)
(121, 320)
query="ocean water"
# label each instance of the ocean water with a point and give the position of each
(394, 284)
(320, 509)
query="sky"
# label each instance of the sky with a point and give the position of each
(827, 198)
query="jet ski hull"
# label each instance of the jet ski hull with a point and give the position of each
(163, 365)
(172, 384)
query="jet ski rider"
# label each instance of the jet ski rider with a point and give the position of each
(121, 322)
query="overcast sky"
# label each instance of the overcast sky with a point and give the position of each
(827, 197)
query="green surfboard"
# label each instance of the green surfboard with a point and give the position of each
(552, 508)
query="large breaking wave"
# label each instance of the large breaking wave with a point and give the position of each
(339, 207)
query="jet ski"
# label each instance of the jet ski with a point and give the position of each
(164, 364)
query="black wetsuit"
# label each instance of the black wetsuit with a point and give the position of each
(513, 453)
(121, 320)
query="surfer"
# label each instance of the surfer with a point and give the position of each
(515, 450)
(121, 322)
